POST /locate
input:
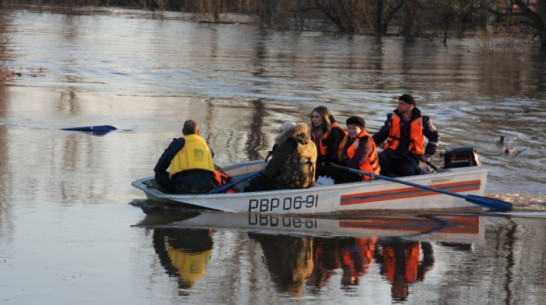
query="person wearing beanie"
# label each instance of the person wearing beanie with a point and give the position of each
(357, 150)
(326, 133)
(404, 131)
(293, 161)
(357, 121)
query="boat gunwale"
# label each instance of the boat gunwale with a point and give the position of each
(140, 184)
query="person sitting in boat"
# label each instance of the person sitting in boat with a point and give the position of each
(293, 161)
(405, 130)
(357, 150)
(189, 160)
(326, 133)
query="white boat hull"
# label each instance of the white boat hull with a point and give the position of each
(377, 195)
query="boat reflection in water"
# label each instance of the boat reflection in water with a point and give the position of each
(295, 261)
(289, 260)
(306, 253)
(401, 266)
(184, 253)
(352, 256)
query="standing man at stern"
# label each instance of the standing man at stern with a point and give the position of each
(405, 130)
(189, 160)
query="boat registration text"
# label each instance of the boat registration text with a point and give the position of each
(283, 203)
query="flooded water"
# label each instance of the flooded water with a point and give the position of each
(69, 236)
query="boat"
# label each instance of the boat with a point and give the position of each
(456, 227)
(457, 186)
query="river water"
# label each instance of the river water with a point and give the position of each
(69, 236)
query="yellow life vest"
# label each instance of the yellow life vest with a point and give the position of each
(371, 165)
(417, 140)
(190, 265)
(194, 155)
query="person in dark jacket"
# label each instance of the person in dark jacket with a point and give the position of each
(357, 150)
(404, 131)
(326, 133)
(189, 160)
(293, 161)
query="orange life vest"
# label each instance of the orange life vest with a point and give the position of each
(371, 165)
(417, 140)
(222, 178)
(365, 251)
(320, 143)
(411, 262)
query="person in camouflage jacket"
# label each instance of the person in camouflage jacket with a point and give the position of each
(293, 160)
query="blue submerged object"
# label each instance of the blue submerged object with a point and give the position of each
(95, 130)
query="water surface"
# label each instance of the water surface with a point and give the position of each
(66, 228)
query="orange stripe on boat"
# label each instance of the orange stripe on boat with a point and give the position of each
(454, 224)
(409, 192)
(398, 224)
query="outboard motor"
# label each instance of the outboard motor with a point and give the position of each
(461, 157)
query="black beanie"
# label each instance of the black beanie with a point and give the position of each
(408, 99)
(356, 120)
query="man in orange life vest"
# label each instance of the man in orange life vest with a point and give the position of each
(404, 131)
(189, 160)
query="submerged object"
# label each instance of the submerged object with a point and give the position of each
(98, 130)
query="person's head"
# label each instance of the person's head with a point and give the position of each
(285, 126)
(406, 103)
(289, 129)
(190, 127)
(355, 125)
(320, 117)
(301, 128)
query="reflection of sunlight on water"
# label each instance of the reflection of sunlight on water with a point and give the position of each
(523, 202)
(516, 164)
